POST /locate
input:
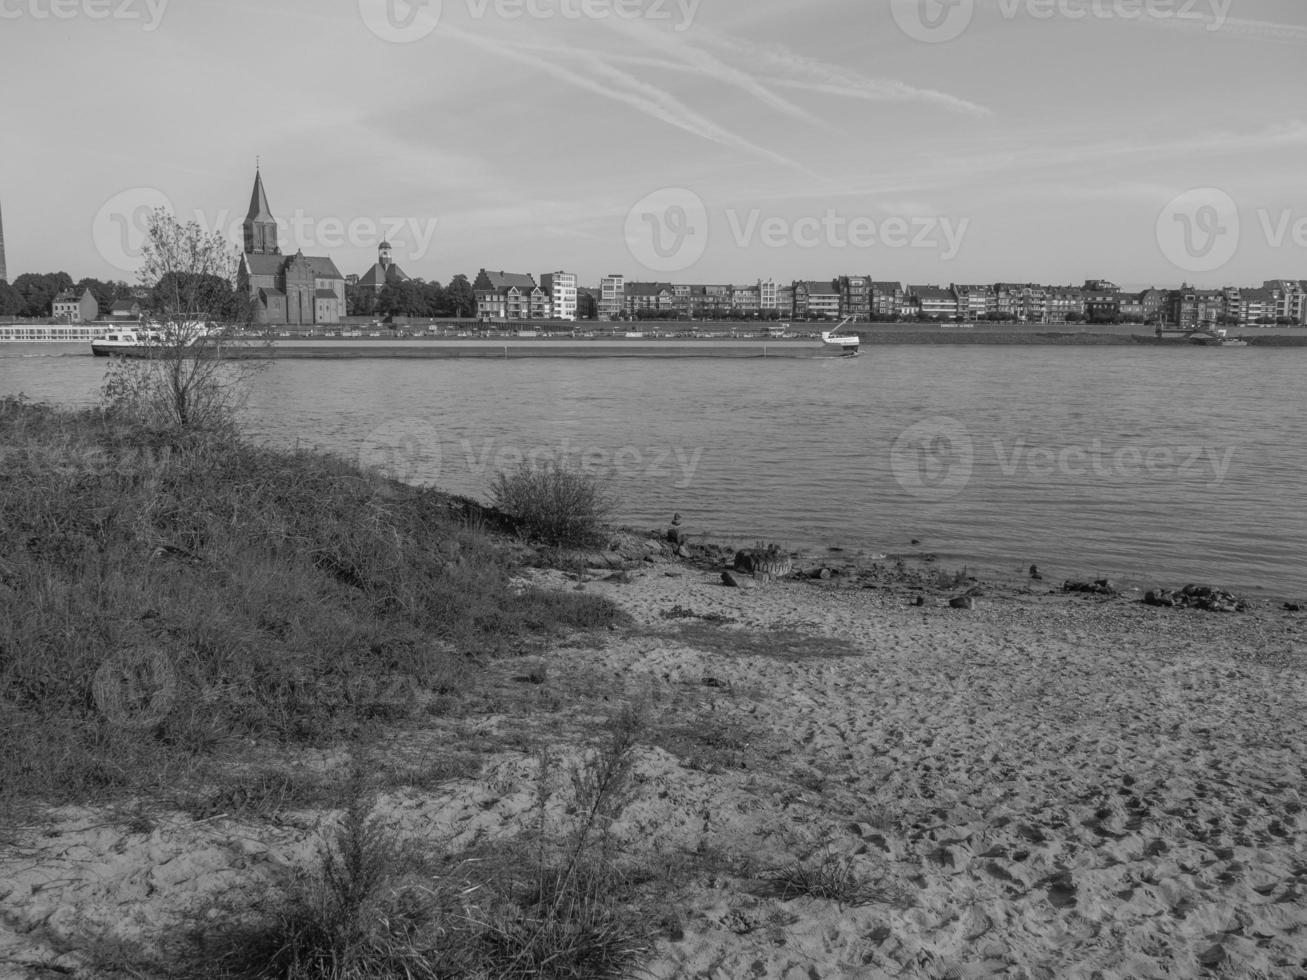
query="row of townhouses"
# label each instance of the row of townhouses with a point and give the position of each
(517, 296)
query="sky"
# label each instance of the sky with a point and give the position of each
(1148, 142)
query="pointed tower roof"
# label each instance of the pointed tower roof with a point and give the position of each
(259, 210)
(4, 274)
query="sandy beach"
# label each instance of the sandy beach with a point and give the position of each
(1047, 785)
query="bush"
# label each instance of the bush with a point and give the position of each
(554, 503)
(175, 389)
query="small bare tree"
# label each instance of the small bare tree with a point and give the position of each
(196, 370)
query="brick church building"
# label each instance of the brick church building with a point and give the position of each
(298, 290)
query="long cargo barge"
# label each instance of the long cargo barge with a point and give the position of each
(503, 348)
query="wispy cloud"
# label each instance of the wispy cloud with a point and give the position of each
(760, 71)
(599, 77)
(1241, 29)
(812, 75)
(1019, 165)
(679, 52)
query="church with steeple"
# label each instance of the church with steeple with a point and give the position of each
(384, 271)
(298, 290)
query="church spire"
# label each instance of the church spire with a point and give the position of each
(260, 225)
(4, 275)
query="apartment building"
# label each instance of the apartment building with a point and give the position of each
(934, 302)
(886, 298)
(562, 291)
(816, 300)
(644, 298)
(1290, 299)
(785, 300)
(612, 296)
(1065, 304)
(510, 296)
(1102, 305)
(1021, 302)
(746, 300)
(855, 297)
(974, 302)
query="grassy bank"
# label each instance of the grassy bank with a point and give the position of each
(164, 596)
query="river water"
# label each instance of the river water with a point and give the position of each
(1149, 465)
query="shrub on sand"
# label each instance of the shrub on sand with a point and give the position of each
(554, 503)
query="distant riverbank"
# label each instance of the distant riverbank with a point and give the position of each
(1055, 334)
(710, 339)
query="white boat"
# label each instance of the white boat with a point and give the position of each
(127, 342)
(146, 340)
(846, 344)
